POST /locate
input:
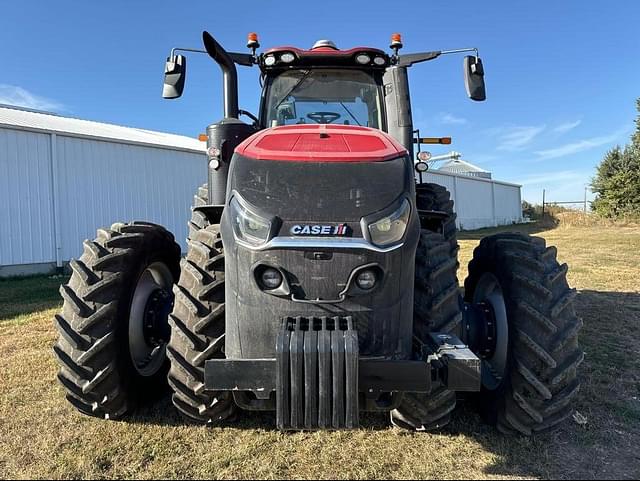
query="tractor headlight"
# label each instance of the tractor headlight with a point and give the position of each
(391, 229)
(247, 225)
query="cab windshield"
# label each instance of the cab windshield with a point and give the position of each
(323, 96)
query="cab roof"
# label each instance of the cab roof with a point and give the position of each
(323, 55)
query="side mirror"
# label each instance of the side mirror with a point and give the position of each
(175, 71)
(474, 78)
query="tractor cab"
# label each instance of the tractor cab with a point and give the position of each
(323, 85)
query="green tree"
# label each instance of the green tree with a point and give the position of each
(528, 210)
(617, 180)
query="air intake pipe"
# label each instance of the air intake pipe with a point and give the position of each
(225, 135)
(229, 74)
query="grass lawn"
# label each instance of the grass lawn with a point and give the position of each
(42, 436)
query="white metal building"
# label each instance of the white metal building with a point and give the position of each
(62, 178)
(480, 202)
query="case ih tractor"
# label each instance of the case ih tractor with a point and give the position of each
(320, 278)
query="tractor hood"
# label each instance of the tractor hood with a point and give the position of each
(309, 173)
(321, 143)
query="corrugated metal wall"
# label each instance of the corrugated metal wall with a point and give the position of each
(103, 182)
(26, 213)
(480, 202)
(92, 184)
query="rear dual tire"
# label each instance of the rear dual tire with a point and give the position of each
(113, 325)
(532, 386)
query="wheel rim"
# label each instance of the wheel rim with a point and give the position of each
(489, 292)
(148, 319)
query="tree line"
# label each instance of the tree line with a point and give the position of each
(617, 180)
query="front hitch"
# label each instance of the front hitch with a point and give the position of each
(320, 381)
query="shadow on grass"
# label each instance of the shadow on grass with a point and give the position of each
(163, 413)
(22, 296)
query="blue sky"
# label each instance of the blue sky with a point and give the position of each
(562, 76)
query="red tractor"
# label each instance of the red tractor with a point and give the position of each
(320, 278)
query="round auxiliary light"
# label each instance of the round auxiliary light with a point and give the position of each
(422, 166)
(271, 278)
(363, 59)
(213, 152)
(379, 60)
(366, 279)
(287, 57)
(424, 156)
(214, 164)
(270, 60)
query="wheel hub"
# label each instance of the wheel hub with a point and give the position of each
(155, 328)
(487, 330)
(149, 330)
(481, 329)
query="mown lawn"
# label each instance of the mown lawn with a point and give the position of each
(42, 436)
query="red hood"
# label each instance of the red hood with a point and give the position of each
(321, 143)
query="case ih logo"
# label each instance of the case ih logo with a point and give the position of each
(338, 230)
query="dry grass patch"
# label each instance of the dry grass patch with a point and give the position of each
(41, 436)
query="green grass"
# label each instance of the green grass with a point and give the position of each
(21, 297)
(41, 436)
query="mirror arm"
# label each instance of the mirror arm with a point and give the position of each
(460, 50)
(180, 49)
(409, 59)
(244, 59)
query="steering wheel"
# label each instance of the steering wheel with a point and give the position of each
(323, 117)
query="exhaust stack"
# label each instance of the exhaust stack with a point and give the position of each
(229, 74)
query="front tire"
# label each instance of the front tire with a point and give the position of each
(436, 309)
(198, 329)
(113, 325)
(533, 384)
(198, 219)
(436, 198)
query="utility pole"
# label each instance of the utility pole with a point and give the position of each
(543, 193)
(585, 199)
